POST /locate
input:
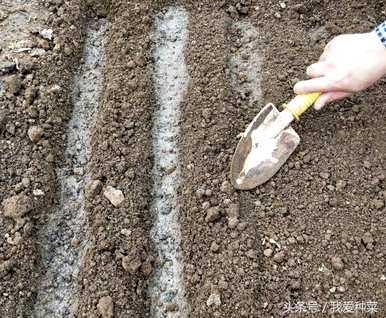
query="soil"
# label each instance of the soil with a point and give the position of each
(119, 262)
(35, 93)
(315, 232)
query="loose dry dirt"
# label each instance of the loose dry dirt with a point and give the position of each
(315, 232)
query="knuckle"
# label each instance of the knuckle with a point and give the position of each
(346, 84)
(339, 83)
(329, 65)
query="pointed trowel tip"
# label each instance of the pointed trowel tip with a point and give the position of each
(240, 180)
(259, 156)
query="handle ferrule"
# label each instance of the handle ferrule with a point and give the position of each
(301, 103)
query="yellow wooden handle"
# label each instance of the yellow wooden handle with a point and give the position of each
(301, 103)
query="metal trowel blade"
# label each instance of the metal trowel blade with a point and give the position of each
(258, 156)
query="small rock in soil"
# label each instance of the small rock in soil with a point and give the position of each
(106, 307)
(170, 170)
(367, 164)
(214, 247)
(92, 189)
(17, 206)
(283, 211)
(200, 193)
(35, 133)
(15, 240)
(126, 232)
(18, 187)
(140, 59)
(279, 257)
(341, 289)
(340, 185)
(26, 182)
(356, 108)
(337, 263)
(115, 196)
(300, 8)
(131, 64)
(232, 223)
(7, 67)
(75, 242)
(13, 84)
(171, 307)
(208, 192)
(130, 264)
(38, 192)
(146, 269)
(277, 15)
(212, 215)
(206, 113)
(30, 94)
(378, 204)
(268, 252)
(242, 226)
(6, 267)
(214, 299)
(46, 34)
(251, 254)
(226, 187)
(3, 119)
(368, 239)
(242, 9)
(233, 211)
(37, 52)
(319, 34)
(3, 15)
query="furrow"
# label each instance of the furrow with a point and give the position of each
(167, 290)
(64, 239)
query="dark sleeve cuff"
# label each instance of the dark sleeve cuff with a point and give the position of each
(380, 30)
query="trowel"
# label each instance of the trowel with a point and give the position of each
(268, 142)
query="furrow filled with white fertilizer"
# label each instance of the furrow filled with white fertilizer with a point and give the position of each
(167, 291)
(64, 239)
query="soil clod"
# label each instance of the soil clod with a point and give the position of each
(35, 133)
(115, 196)
(106, 307)
(16, 207)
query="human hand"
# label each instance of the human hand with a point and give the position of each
(350, 63)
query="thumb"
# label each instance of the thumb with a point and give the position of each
(329, 97)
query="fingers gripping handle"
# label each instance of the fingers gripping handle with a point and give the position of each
(301, 103)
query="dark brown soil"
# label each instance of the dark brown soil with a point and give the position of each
(210, 118)
(332, 188)
(322, 216)
(34, 103)
(325, 203)
(119, 263)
